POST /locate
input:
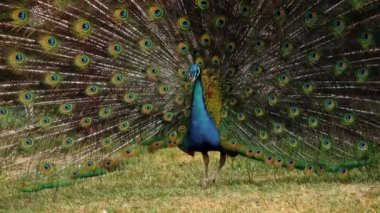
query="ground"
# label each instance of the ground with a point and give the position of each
(168, 181)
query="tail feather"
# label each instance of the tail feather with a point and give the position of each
(309, 103)
(85, 85)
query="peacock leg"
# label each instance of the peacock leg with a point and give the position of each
(222, 161)
(206, 161)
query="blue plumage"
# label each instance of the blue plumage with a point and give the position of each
(203, 135)
(292, 84)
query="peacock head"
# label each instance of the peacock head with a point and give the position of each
(194, 72)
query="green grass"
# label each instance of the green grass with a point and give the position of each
(168, 181)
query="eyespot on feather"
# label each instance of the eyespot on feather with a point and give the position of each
(85, 122)
(83, 28)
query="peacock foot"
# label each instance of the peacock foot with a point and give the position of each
(214, 177)
(204, 182)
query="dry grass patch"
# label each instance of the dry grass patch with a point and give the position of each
(168, 181)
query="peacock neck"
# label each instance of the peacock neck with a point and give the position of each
(199, 109)
(203, 135)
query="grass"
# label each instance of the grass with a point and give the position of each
(168, 181)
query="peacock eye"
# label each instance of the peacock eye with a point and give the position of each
(51, 41)
(54, 77)
(311, 19)
(312, 54)
(117, 48)
(84, 59)
(19, 57)
(157, 12)
(361, 71)
(277, 12)
(148, 43)
(220, 21)
(203, 4)
(309, 15)
(337, 23)
(22, 15)
(183, 23)
(341, 66)
(3, 111)
(365, 36)
(46, 166)
(28, 96)
(85, 26)
(123, 14)
(362, 144)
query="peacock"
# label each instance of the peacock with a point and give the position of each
(87, 85)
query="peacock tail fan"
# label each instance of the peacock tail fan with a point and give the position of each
(87, 85)
(295, 98)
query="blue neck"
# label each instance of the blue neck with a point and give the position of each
(203, 135)
(198, 109)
